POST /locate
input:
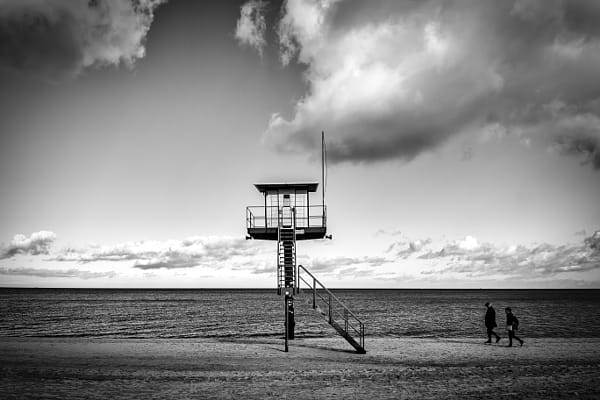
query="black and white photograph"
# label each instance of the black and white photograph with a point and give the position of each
(300, 199)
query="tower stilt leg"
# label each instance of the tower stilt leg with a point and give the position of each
(290, 322)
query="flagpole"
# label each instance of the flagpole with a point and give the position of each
(323, 167)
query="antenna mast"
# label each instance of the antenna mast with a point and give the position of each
(323, 167)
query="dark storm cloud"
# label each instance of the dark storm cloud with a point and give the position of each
(59, 38)
(593, 242)
(585, 146)
(38, 243)
(390, 80)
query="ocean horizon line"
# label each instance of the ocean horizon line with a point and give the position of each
(274, 289)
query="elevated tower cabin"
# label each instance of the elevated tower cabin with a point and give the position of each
(287, 215)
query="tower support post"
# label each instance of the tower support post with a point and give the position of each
(289, 318)
(286, 333)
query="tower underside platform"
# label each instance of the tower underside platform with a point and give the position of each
(308, 233)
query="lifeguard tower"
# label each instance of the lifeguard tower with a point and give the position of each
(288, 215)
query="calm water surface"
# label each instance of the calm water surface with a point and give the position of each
(221, 313)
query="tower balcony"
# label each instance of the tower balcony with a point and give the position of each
(310, 222)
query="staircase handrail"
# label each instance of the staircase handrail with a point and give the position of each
(360, 331)
(328, 292)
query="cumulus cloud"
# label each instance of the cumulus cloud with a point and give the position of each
(593, 242)
(171, 254)
(468, 243)
(335, 263)
(53, 273)
(388, 232)
(59, 38)
(38, 243)
(252, 26)
(405, 248)
(472, 259)
(303, 27)
(390, 80)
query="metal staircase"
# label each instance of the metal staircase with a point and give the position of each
(337, 314)
(286, 255)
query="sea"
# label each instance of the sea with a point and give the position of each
(222, 313)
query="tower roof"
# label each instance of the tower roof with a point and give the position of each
(264, 187)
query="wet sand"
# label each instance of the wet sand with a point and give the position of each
(257, 368)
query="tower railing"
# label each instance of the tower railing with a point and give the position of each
(339, 316)
(268, 217)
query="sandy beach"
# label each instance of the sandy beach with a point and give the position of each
(256, 368)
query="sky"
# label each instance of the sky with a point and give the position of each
(463, 141)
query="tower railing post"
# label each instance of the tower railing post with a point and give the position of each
(346, 320)
(330, 319)
(314, 293)
(362, 335)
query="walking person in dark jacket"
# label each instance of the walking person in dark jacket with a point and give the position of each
(512, 324)
(490, 323)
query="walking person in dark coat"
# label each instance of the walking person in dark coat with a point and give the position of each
(512, 324)
(490, 323)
